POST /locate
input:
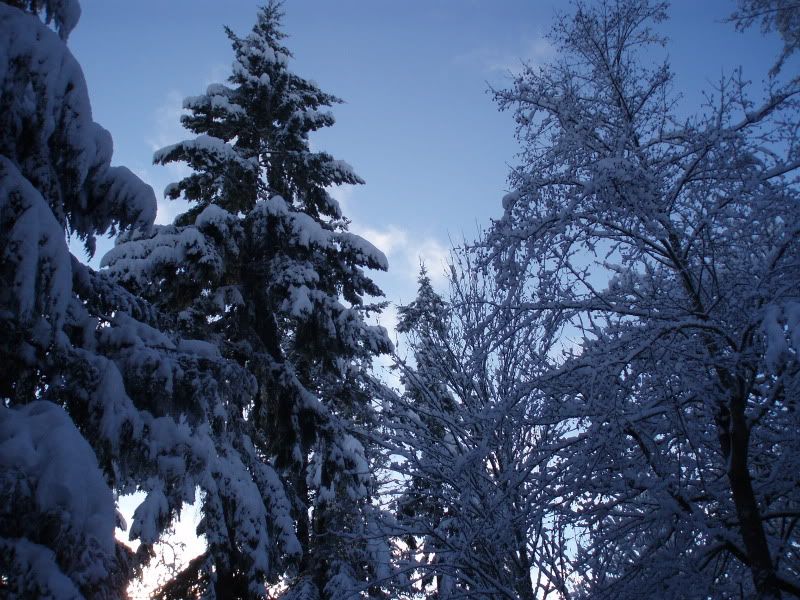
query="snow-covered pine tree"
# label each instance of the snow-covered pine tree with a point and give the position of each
(668, 250)
(99, 396)
(465, 443)
(57, 514)
(263, 264)
(417, 423)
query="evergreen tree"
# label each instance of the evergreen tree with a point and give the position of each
(100, 395)
(426, 407)
(467, 447)
(262, 264)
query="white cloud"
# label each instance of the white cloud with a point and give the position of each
(512, 60)
(388, 319)
(389, 240)
(166, 130)
(406, 252)
(343, 194)
(434, 256)
(219, 73)
(404, 249)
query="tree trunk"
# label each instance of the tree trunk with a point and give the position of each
(735, 441)
(303, 524)
(523, 586)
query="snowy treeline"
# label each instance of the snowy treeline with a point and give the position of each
(603, 405)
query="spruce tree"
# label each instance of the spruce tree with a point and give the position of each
(263, 264)
(99, 394)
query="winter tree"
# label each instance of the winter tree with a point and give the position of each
(782, 16)
(467, 450)
(100, 394)
(263, 266)
(667, 250)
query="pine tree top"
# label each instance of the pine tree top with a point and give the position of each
(253, 133)
(426, 313)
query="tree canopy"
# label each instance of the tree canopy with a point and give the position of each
(602, 404)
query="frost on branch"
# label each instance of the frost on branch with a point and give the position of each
(469, 452)
(48, 133)
(667, 251)
(49, 474)
(263, 267)
(100, 395)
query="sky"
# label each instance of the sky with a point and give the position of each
(418, 123)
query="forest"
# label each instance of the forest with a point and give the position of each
(602, 404)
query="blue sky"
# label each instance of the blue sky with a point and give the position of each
(417, 124)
